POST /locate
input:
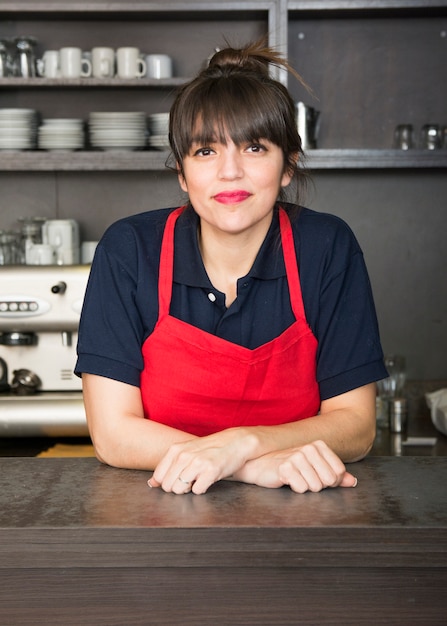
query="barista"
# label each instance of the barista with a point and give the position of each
(235, 337)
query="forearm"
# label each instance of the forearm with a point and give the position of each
(120, 434)
(137, 444)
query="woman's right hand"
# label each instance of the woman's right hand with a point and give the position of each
(197, 464)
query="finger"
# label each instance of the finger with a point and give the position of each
(316, 469)
(181, 486)
(348, 480)
(333, 468)
(300, 475)
(173, 464)
(342, 478)
(152, 483)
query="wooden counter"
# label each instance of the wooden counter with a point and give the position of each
(82, 543)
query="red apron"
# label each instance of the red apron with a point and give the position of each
(199, 383)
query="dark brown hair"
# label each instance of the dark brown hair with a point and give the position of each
(235, 96)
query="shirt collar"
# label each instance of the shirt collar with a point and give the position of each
(188, 265)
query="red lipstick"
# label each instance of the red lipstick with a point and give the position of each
(232, 197)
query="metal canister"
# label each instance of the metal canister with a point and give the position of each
(398, 415)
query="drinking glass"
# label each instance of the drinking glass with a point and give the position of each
(403, 137)
(391, 387)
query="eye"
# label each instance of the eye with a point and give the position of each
(256, 147)
(204, 151)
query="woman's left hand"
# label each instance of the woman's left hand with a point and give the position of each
(197, 464)
(311, 467)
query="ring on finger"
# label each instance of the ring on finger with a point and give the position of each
(185, 482)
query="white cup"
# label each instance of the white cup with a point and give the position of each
(73, 65)
(103, 62)
(88, 251)
(40, 254)
(129, 63)
(63, 237)
(159, 66)
(48, 65)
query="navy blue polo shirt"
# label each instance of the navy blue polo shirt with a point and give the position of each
(121, 303)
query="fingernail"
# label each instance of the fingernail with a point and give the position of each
(149, 483)
(355, 482)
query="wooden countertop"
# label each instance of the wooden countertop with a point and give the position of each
(74, 532)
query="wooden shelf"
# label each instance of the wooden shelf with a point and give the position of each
(152, 160)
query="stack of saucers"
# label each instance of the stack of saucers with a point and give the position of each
(118, 131)
(61, 134)
(159, 131)
(18, 128)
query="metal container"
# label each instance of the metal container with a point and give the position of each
(398, 415)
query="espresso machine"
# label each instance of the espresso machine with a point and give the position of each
(40, 308)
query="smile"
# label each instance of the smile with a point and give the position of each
(232, 197)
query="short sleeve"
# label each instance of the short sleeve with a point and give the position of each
(121, 304)
(339, 305)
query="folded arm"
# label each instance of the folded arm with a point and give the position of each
(342, 432)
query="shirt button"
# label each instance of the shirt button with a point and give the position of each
(211, 297)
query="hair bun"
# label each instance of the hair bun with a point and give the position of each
(252, 58)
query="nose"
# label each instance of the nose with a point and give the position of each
(230, 164)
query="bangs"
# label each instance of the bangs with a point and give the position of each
(239, 108)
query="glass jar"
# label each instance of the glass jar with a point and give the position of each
(10, 253)
(31, 233)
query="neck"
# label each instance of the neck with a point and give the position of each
(228, 257)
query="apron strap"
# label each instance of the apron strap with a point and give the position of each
(166, 269)
(291, 263)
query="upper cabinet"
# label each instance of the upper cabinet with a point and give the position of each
(371, 64)
(188, 32)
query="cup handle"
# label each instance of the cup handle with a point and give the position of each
(40, 66)
(85, 73)
(142, 65)
(106, 68)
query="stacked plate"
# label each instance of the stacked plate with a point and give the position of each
(61, 134)
(159, 131)
(18, 128)
(118, 131)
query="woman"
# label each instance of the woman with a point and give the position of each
(233, 338)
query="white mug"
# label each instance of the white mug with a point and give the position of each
(40, 254)
(73, 65)
(63, 237)
(103, 62)
(48, 65)
(159, 66)
(61, 233)
(88, 251)
(129, 63)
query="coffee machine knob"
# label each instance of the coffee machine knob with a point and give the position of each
(59, 287)
(4, 386)
(16, 338)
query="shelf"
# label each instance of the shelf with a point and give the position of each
(375, 159)
(55, 83)
(364, 5)
(112, 10)
(65, 161)
(151, 160)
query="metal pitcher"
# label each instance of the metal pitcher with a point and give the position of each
(25, 57)
(4, 69)
(308, 124)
